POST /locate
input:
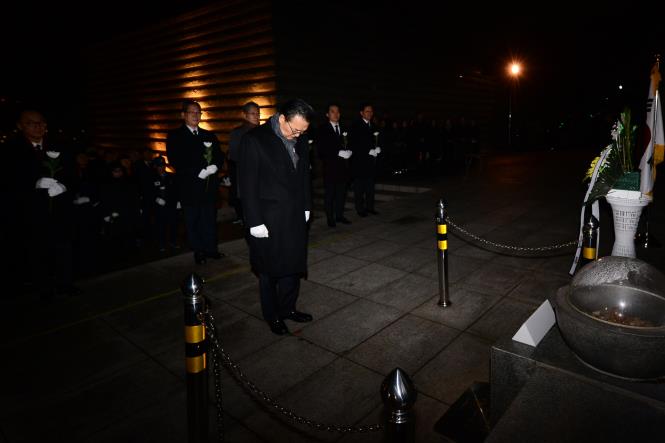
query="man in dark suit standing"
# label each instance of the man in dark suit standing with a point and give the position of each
(330, 142)
(196, 157)
(363, 142)
(40, 179)
(275, 189)
(251, 115)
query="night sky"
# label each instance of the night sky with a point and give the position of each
(574, 63)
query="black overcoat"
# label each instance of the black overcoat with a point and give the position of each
(185, 152)
(328, 144)
(275, 194)
(361, 141)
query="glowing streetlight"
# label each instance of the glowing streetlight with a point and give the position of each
(514, 70)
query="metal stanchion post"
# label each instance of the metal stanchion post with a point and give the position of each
(195, 360)
(399, 395)
(590, 241)
(442, 253)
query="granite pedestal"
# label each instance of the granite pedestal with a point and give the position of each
(546, 394)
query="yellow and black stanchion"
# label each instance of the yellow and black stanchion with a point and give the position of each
(589, 242)
(442, 253)
(196, 347)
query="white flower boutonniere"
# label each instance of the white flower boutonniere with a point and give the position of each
(53, 154)
(207, 144)
(376, 139)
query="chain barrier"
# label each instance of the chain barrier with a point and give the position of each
(218, 352)
(525, 249)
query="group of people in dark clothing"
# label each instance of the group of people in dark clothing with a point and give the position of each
(74, 213)
(67, 203)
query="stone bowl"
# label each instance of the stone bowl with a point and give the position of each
(612, 316)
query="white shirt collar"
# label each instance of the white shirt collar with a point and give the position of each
(192, 129)
(366, 121)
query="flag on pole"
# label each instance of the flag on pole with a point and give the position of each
(653, 155)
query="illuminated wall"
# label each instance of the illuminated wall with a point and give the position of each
(221, 55)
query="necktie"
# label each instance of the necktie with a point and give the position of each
(337, 130)
(195, 132)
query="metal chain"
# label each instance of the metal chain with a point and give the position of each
(217, 371)
(512, 248)
(209, 322)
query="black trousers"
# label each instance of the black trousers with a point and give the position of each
(363, 190)
(201, 224)
(278, 295)
(335, 196)
(166, 225)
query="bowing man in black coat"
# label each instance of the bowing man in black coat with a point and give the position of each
(363, 143)
(274, 173)
(330, 141)
(196, 157)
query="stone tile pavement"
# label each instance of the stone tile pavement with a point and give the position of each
(109, 366)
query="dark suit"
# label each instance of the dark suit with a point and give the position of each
(275, 194)
(335, 170)
(234, 157)
(198, 196)
(363, 165)
(41, 227)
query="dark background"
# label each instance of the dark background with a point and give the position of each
(574, 60)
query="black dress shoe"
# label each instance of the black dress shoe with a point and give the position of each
(216, 255)
(362, 214)
(344, 220)
(278, 327)
(372, 211)
(199, 258)
(298, 317)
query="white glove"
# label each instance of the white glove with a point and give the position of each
(259, 231)
(342, 154)
(373, 153)
(203, 174)
(107, 219)
(81, 200)
(306, 216)
(115, 214)
(160, 201)
(212, 169)
(226, 182)
(349, 153)
(178, 206)
(45, 183)
(377, 150)
(56, 189)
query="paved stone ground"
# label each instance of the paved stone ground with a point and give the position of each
(109, 366)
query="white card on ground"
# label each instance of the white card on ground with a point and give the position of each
(536, 326)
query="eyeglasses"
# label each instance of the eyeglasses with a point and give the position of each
(295, 132)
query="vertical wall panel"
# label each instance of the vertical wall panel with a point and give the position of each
(221, 55)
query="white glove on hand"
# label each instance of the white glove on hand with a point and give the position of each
(377, 150)
(45, 183)
(373, 153)
(259, 231)
(56, 189)
(306, 216)
(178, 206)
(107, 219)
(160, 201)
(226, 182)
(115, 214)
(349, 153)
(212, 169)
(342, 154)
(81, 200)
(203, 174)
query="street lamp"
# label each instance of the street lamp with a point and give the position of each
(514, 70)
